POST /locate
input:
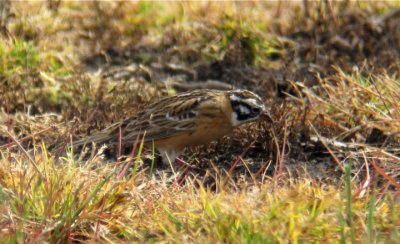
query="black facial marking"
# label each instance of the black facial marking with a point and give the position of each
(246, 112)
(255, 110)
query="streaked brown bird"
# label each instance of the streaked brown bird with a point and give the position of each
(186, 119)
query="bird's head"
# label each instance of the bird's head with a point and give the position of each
(247, 107)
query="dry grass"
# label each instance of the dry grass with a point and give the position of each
(326, 170)
(92, 201)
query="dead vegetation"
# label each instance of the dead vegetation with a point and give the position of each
(327, 168)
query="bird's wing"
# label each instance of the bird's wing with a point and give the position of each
(168, 117)
(165, 119)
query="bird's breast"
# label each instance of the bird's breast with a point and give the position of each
(208, 127)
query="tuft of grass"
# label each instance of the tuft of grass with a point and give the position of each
(18, 55)
(236, 34)
(349, 200)
(372, 238)
(24, 53)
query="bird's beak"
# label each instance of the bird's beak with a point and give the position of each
(267, 116)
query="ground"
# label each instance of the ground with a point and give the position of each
(326, 169)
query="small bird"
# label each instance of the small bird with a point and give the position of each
(186, 119)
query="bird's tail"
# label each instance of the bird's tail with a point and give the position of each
(107, 136)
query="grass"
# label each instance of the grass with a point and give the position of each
(90, 201)
(326, 170)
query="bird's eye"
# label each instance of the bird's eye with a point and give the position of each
(255, 110)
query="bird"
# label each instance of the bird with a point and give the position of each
(186, 119)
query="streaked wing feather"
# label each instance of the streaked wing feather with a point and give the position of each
(169, 116)
(166, 119)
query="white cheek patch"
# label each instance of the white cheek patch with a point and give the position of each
(244, 109)
(234, 121)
